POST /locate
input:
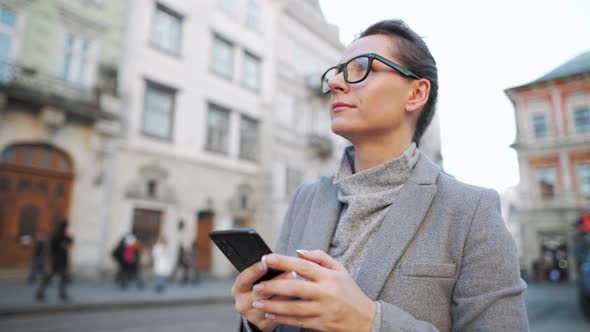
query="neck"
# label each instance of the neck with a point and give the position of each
(370, 153)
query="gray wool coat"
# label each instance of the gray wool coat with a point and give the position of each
(441, 260)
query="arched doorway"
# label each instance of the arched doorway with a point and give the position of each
(35, 192)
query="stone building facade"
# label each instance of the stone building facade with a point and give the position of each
(553, 146)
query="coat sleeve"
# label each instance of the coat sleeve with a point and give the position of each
(281, 247)
(488, 294)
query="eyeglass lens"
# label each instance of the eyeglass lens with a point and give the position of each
(355, 71)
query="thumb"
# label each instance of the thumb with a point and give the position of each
(321, 258)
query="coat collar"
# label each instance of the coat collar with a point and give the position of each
(403, 219)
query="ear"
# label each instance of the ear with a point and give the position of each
(419, 95)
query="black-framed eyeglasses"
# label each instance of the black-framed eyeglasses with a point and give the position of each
(357, 69)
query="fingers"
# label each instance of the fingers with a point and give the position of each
(288, 307)
(303, 322)
(246, 278)
(321, 258)
(287, 288)
(305, 268)
(287, 276)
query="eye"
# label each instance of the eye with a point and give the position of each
(362, 63)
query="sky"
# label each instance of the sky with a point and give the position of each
(481, 49)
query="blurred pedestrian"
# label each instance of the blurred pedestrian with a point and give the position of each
(131, 262)
(117, 255)
(40, 254)
(60, 246)
(194, 261)
(162, 263)
(183, 265)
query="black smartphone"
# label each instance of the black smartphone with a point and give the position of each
(243, 247)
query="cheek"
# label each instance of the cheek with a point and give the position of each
(382, 104)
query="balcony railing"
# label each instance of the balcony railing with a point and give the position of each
(558, 200)
(18, 76)
(29, 85)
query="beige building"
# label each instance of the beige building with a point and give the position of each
(59, 111)
(553, 146)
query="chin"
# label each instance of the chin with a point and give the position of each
(345, 131)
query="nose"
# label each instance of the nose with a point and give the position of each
(337, 83)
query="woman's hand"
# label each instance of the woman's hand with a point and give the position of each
(329, 300)
(244, 296)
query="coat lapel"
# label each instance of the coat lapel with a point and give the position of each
(398, 227)
(323, 217)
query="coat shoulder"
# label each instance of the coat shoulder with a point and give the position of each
(449, 185)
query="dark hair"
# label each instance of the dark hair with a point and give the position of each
(415, 56)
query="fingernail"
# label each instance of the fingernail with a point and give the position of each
(302, 252)
(263, 267)
(294, 274)
(270, 316)
(270, 259)
(257, 305)
(258, 287)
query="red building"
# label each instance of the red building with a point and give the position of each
(553, 146)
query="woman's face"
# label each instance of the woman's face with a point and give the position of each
(376, 106)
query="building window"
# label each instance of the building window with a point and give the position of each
(7, 30)
(294, 178)
(152, 186)
(7, 17)
(146, 226)
(253, 14)
(248, 138)
(582, 119)
(584, 179)
(166, 30)
(546, 181)
(217, 129)
(29, 219)
(251, 71)
(77, 63)
(9, 154)
(28, 154)
(222, 57)
(159, 110)
(37, 155)
(540, 126)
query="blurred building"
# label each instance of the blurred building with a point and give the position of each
(220, 118)
(553, 146)
(199, 115)
(59, 109)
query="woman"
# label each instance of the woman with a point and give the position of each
(389, 243)
(162, 263)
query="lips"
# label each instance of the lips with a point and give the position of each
(340, 106)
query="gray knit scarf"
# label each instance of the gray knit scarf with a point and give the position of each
(366, 195)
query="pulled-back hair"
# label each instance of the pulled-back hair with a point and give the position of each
(415, 56)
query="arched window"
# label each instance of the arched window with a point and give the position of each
(42, 156)
(29, 219)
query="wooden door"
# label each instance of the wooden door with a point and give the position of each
(35, 188)
(204, 227)
(146, 226)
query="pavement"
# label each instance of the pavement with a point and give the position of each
(18, 298)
